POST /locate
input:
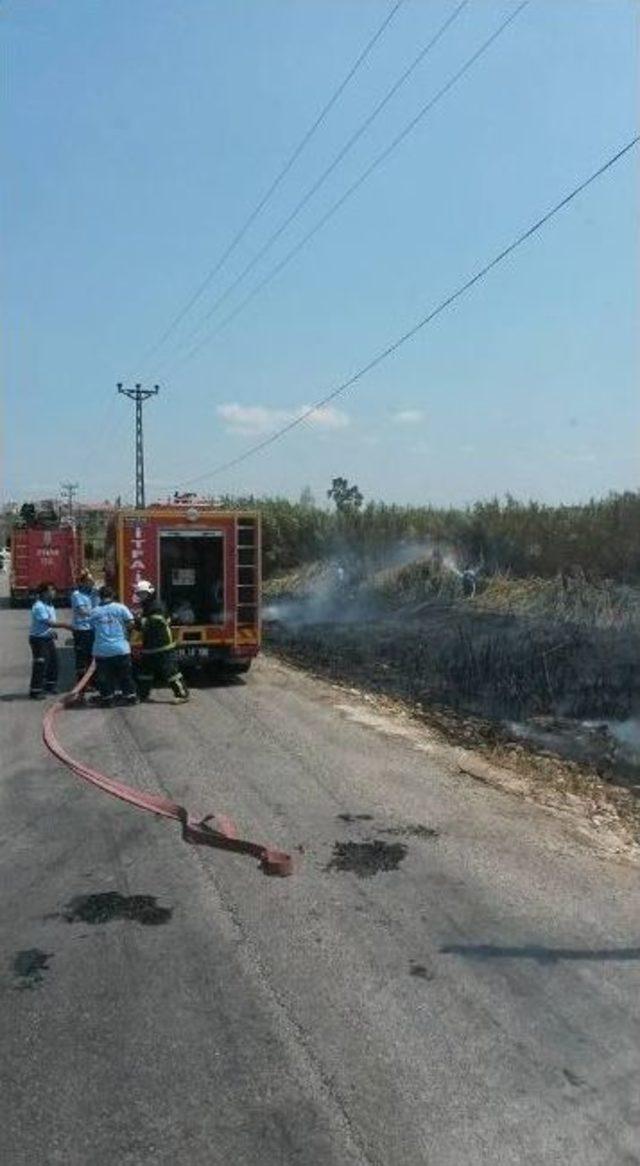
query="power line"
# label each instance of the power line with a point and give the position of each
(408, 129)
(313, 189)
(411, 332)
(179, 317)
(101, 427)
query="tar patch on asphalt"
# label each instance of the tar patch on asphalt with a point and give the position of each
(108, 905)
(415, 830)
(366, 859)
(355, 817)
(420, 971)
(29, 965)
(573, 1078)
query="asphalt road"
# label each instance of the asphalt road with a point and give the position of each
(477, 1004)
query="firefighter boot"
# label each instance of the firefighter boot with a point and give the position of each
(178, 687)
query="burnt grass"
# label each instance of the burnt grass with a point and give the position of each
(494, 666)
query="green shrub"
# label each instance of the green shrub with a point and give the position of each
(599, 540)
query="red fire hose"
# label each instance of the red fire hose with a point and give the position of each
(224, 836)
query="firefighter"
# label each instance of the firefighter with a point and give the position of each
(83, 601)
(157, 665)
(42, 641)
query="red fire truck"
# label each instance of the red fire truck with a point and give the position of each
(44, 554)
(205, 566)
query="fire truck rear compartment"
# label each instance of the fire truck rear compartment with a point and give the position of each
(192, 576)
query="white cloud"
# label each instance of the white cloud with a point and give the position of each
(408, 417)
(251, 419)
(254, 420)
(326, 417)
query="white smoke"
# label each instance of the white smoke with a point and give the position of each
(627, 736)
(341, 589)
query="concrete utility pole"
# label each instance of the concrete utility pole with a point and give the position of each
(69, 489)
(139, 395)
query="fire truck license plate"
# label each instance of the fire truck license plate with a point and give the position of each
(201, 652)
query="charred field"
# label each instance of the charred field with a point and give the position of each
(562, 687)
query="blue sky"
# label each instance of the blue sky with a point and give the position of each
(139, 135)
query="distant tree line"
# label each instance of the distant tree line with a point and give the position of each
(597, 540)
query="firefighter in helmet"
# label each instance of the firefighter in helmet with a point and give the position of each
(157, 664)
